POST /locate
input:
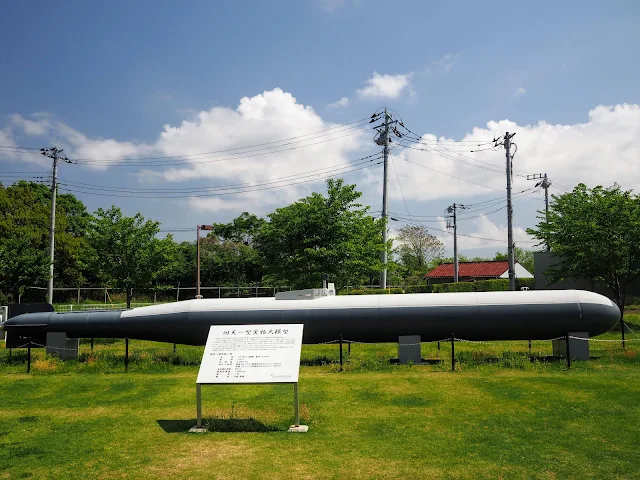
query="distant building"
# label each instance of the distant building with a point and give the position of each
(472, 271)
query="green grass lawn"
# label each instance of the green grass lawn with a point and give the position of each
(499, 415)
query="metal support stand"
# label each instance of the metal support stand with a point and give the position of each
(349, 348)
(92, 344)
(340, 352)
(198, 405)
(174, 348)
(568, 353)
(28, 359)
(296, 406)
(529, 347)
(126, 354)
(297, 428)
(453, 353)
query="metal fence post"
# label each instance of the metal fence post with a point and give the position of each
(78, 302)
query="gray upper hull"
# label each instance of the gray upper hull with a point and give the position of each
(376, 318)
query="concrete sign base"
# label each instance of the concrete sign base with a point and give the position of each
(298, 429)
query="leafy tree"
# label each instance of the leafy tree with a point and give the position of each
(126, 252)
(24, 227)
(418, 250)
(320, 235)
(594, 234)
(523, 257)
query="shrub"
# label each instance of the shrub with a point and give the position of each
(375, 291)
(496, 285)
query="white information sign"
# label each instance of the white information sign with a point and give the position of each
(251, 354)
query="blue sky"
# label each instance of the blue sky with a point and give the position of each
(106, 79)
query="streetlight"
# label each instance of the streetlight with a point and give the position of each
(200, 227)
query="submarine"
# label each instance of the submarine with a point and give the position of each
(480, 316)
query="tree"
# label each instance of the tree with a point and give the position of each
(320, 235)
(24, 234)
(522, 256)
(594, 234)
(418, 250)
(126, 253)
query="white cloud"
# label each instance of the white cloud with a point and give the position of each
(343, 102)
(443, 65)
(385, 86)
(601, 151)
(482, 232)
(519, 92)
(263, 119)
(330, 6)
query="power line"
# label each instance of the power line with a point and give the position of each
(226, 152)
(89, 191)
(297, 176)
(400, 185)
(447, 174)
(234, 156)
(464, 235)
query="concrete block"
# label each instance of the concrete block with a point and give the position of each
(409, 349)
(197, 429)
(579, 349)
(59, 344)
(298, 429)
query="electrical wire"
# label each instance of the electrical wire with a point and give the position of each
(447, 174)
(90, 191)
(297, 176)
(400, 185)
(465, 235)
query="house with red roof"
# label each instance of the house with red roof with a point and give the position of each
(472, 271)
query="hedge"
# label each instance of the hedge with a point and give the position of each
(497, 285)
(419, 289)
(374, 291)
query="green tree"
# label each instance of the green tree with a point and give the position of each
(24, 227)
(522, 256)
(417, 251)
(319, 235)
(125, 251)
(594, 234)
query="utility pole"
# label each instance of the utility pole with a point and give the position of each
(452, 223)
(200, 227)
(545, 183)
(510, 249)
(383, 139)
(54, 153)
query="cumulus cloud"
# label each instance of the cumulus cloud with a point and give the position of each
(600, 151)
(343, 102)
(519, 92)
(443, 65)
(262, 121)
(385, 86)
(482, 232)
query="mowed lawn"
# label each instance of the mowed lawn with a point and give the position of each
(498, 416)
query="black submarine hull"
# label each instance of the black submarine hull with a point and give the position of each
(531, 315)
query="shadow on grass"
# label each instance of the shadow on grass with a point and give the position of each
(317, 361)
(218, 425)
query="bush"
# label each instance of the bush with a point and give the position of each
(496, 285)
(419, 289)
(375, 291)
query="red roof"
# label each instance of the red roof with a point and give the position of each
(471, 269)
